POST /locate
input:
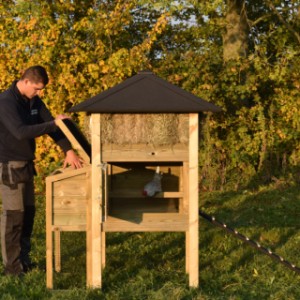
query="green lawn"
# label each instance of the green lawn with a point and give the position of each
(151, 265)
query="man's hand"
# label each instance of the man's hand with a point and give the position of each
(73, 160)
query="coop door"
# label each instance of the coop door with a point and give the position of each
(76, 138)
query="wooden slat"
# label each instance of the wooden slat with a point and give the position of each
(94, 212)
(167, 168)
(71, 219)
(68, 173)
(185, 182)
(135, 194)
(193, 235)
(169, 222)
(68, 228)
(70, 188)
(186, 205)
(103, 249)
(57, 251)
(142, 153)
(49, 242)
(143, 206)
(104, 213)
(63, 203)
(75, 143)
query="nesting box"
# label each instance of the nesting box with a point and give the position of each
(137, 127)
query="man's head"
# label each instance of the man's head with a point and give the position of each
(33, 80)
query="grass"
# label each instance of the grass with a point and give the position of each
(151, 265)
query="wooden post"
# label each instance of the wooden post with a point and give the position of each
(193, 235)
(186, 198)
(94, 211)
(103, 249)
(104, 216)
(57, 250)
(49, 238)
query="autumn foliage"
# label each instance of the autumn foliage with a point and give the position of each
(90, 46)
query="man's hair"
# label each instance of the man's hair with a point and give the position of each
(36, 74)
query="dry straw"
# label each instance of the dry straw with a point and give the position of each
(154, 129)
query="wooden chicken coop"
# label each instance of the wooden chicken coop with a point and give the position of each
(136, 127)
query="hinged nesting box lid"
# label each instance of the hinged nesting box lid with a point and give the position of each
(76, 138)
(145, 93)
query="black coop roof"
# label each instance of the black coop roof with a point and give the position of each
(145, 93)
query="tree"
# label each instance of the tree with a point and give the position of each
(239, 54)
(85, 46)
(236, 35)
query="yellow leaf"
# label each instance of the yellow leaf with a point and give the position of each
(255, 273)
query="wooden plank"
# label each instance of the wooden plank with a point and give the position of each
(186, 199)
(68, 228)
(142, 153)
(103, 250)
(167, 168)
(193, 235)
(77, 203)
(142, 205)
(106, 189)
(159, 222)
(187, 251)
(77, 139)
(49, 242)
(76, 210)
(94, 212)
(71, 219)
(68, 173)
(137, 194)
(104, 212)
(70, 188)
(57, 251)
(181, 190)
(185, 182)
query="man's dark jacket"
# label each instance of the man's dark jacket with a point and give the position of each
(21, 121)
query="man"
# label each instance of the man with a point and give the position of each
(23, 117)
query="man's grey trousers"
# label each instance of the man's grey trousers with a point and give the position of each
(17, 218)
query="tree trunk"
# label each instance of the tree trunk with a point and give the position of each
(235, 38)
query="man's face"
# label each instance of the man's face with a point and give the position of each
(32, 89)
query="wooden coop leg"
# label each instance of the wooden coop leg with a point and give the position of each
(49, 239)
(57, 251)
(185, 206)
(193, 234)
(94, 210)
(187, 252)
(49, 262)
(103, 250)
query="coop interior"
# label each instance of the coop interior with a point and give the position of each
(128, 209)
